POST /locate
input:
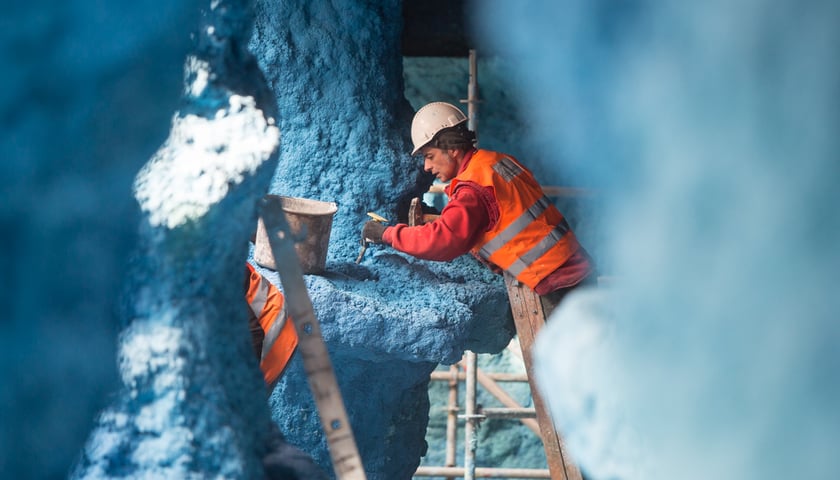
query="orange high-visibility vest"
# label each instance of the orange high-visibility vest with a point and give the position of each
(531, 239)
(280, 340)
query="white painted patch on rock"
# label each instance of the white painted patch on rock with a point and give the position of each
(202, 158)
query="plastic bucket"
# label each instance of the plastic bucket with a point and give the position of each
(310, 222)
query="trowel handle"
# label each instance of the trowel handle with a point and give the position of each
(362, 251)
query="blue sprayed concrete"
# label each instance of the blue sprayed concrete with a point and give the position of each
(192, 402)
(86, 94)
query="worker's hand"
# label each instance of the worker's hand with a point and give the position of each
(372, 231)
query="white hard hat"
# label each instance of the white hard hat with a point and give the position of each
(431, 119)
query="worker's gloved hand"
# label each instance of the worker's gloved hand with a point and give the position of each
(372, 231)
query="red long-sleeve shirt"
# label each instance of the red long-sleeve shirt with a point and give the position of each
(471, 210)
(453, 234)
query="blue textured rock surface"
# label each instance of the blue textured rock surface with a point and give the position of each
(336, 70)
(192, 403)
(86, 93)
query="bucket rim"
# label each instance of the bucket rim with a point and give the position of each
(323, 207)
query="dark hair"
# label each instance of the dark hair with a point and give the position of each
(458, 137)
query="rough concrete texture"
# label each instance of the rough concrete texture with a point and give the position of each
(336, 70)
(192, 403)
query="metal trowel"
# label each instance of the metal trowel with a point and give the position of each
(364, 241)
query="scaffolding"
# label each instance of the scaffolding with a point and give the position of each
(473, 414)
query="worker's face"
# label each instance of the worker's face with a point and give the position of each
(442, 163)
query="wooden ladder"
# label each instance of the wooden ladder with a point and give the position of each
(529, 318)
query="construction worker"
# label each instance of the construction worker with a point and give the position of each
(275, 339)
(272, 331)
(496, 210)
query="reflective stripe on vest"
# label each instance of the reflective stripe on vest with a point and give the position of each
(515, 227)
(273, 332)
(260, 297)
(540, 249)
(279, 335)
(257, 305)
(507, 168)
(531, 238)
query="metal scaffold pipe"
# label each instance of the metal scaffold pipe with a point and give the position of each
(483, 472)
(452, 418)
(472, 94)
(470, 416)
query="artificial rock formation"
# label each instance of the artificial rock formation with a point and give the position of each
(192, 403)
(85, 97)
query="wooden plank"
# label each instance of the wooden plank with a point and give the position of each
(529, 319)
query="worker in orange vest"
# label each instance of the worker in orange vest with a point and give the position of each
(275, 339)
(496, 210)
(272, 330)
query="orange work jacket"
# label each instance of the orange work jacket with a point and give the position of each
(531, 239)
(280, 338)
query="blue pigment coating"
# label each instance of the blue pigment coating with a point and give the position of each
(193, 403)
(86, 94)
(88, 88)
(335, 68)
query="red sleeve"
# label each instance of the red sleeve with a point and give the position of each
(461, 222)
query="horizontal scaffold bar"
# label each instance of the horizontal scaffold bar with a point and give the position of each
(483, 472)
